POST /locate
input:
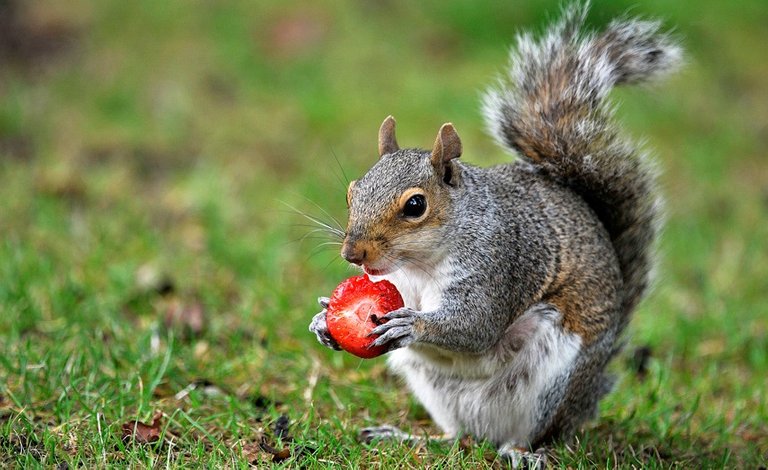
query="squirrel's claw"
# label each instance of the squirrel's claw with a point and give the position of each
(319, 327)
(398, 331)
(399, 313)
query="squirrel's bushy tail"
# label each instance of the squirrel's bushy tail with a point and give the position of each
(551, 108)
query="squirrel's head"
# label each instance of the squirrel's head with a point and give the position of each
(399, 208)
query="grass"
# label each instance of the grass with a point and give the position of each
(149, 151)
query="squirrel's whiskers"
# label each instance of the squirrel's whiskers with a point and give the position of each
(329, 235)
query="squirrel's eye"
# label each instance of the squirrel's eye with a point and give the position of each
(415, 206)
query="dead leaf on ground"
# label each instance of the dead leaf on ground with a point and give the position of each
(261, 453)
(254, 454)
(278, 455)
(142, 433)
(265, 450)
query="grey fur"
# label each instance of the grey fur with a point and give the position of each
(538, 263)
(551, 108)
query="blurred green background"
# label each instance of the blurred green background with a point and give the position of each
(150, 259)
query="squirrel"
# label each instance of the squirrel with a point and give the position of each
(518, 279)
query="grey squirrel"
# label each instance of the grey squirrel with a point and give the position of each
(518, 279)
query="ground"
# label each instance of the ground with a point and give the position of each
(156, 282)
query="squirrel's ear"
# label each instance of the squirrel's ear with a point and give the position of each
(387, 140)
(447, 146)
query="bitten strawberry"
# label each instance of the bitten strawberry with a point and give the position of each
(355, 309)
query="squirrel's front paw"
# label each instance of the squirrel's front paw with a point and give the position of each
(398, 331)
(320, 328)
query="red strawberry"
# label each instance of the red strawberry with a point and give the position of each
(355, 309)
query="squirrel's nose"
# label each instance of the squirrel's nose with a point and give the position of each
(353, 253)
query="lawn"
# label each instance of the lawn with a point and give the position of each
(156, 281)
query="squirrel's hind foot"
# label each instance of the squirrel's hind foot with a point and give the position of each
(519, 458)
(386, 433)
(393, 434)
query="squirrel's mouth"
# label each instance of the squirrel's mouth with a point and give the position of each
(375, 272)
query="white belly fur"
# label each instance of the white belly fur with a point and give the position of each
(468, 393)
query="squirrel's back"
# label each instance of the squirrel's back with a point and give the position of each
(556, 250)
(551, 109)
